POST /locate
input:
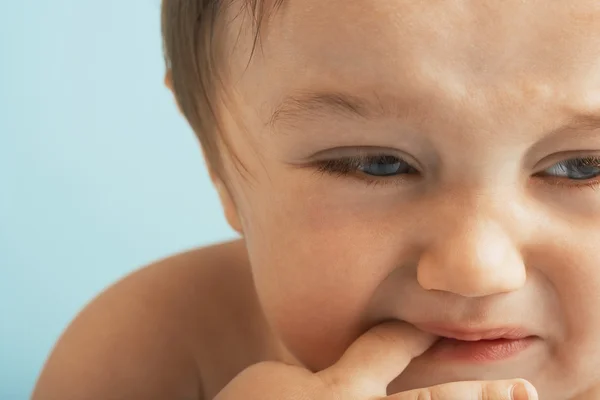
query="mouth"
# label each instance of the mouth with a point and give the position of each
(478, 346)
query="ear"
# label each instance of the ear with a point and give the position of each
(169, 84)
(229, 207)
(169, 80)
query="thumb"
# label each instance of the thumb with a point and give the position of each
(377, 357)
(517, 389)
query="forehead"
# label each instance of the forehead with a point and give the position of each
(434, 46)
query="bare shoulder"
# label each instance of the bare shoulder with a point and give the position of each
(180, 328)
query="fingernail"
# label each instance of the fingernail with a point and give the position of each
(523, 391)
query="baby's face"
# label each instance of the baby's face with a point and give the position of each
(432, 162)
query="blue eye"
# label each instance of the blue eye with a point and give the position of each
(378, 166)
(384, 166)
(575, 169)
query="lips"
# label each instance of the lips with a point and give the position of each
(473, 335)
(477, 345)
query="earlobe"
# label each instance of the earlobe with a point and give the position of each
(227, 202)
(169, 84)
(168, 80)
(229, 208)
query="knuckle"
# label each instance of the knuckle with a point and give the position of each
(426, 394)
(483, 393)
(382, 334)
(458, 390)
(388, 338)
(464, 391)
(493, 391)
(335, 382)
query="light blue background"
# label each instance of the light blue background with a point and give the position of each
(99, 174)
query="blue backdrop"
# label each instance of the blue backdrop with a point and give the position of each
(99, 174)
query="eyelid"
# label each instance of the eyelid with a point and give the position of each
(347, 167)
(364, 152)
(593, 161)
(562, 157)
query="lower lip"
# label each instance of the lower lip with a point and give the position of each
(481, 351)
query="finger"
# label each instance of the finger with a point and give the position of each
(377, 357)
(516, 389)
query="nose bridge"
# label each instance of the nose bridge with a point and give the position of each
(468, 209)
(473, 251)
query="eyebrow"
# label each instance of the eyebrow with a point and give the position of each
(584, 121)
(306, 105)
(315, 105)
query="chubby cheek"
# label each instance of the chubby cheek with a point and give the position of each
(317, 265)
(570, 264)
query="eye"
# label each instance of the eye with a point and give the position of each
(376, 166)
(384, 165)
(580, 169)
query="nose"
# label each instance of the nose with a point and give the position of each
(474, 259)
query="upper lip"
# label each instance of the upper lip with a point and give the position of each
(472, 335)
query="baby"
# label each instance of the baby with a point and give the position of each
(413, 182)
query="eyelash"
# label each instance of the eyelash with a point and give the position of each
(593, 183)
(349, 167)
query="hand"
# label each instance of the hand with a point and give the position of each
(363, 373)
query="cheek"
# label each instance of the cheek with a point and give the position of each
(569, 263)
(577, 281)
(316, 267)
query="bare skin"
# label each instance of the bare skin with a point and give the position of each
(190, 327)
(484, 116)
(181, 328)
